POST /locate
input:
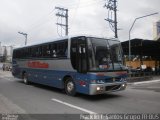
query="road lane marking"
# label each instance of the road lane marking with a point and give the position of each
(144, 82)
(73, 106)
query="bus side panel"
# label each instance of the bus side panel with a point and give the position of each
(46, 77)
(82, 83)
(51, 76)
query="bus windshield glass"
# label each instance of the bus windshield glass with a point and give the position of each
(104, 54)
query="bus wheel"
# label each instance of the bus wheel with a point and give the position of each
(69, 87)
(25, 79)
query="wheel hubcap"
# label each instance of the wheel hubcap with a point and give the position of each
(70, 86)
(25, 80)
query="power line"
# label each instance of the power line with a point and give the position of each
(74, 14)
(39, 22)
(86, 4)
(42, 20)
(80, 5)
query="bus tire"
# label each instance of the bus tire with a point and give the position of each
(70, 87)
(25, 79)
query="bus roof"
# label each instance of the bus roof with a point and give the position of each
(62, 38)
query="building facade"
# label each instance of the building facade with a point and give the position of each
(6, 53)
(156, 31)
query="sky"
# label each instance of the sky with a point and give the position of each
(37, 19)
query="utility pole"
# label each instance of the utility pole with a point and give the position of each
(25, 34)
(62, 13)
(111, 5)
(0, 49)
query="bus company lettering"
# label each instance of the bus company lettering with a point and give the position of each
(37, 64)
(121, 73)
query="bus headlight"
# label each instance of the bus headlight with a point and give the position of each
(124, 85)
(99, 88)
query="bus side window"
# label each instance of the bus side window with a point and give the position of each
(46, 51)
(29, 53)
(25, 52)
(54, 54)
(32, 52)
(21, 53)
(53, 50)
(59, 49)
(39, 51)
(36, 52)
(62, 49)
(66, 48)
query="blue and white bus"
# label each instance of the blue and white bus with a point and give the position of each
(79, 64)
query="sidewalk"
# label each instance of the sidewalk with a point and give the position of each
(143, 78)
(5, 73)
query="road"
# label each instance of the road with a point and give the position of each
(16, 97)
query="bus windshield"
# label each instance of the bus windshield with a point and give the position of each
(104, 54)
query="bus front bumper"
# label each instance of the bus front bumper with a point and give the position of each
(107, 87)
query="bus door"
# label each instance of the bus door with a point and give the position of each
(79, 54)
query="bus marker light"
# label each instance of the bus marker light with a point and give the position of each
(82, 83)
(100, 81)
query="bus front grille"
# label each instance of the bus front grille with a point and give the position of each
(113, 87)
(110, 80)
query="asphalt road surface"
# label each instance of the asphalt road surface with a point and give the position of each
(16, 97)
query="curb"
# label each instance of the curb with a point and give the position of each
(144, 82)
